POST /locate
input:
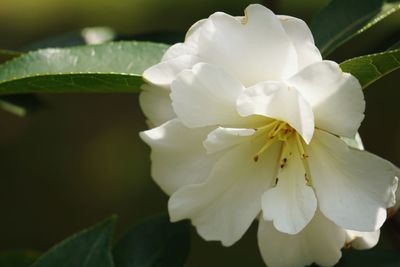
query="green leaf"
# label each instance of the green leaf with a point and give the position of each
(341, 20)
(17, 258)
(89, 248)
(20, 105)
(7, 55)
(74, 83)
(154, 243)
(110, 67)
(367, 69)
(370, 258)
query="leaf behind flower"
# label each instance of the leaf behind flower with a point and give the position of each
(341, 20)
(369, 68)
(156, 242)
(110, 67)
(88, 248)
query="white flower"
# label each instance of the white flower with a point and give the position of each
(247, 121)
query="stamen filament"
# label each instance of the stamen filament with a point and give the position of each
(266, 127)
(267, 145)
(280, 127)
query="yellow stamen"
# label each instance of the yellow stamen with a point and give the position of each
(277, 129)
(267, 145)
(266, 127)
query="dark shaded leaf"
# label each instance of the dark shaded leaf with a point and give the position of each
(395, 46)
(341, 20)
(88, 248)
(154, 243)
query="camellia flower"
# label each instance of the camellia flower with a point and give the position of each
(248, 123)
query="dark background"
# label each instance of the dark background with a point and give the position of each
(80, 159)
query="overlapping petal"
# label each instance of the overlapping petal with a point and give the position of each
(353, 187)
(225, 205)
(252, 49)
(206, 95)
(178, 156)
(165, 72)
(278, 101)
(302, 39)
(222, 138)
(320, 242)
(291, 204)
(336, 97)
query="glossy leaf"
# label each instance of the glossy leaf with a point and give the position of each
(154, 243)
(74, 83)
(370, 68)
(89, 248)
(110, 67)
(341, 20)
(17, 258)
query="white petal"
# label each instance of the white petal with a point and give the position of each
(165, 72)
(319, 242)
(396, 207)
(277, 100)
(206, 95)
(192, 35)
(362, 240)
(353, 187)
(252, 49)
(336, 97)
(222, 138)
(302, 39)
(156, 104)
(224, 206)
(178, 50)
(291, 204)
(178, 156)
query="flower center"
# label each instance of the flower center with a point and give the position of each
(280, 131)
(274, 132)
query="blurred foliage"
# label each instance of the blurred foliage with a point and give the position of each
(17, 258)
